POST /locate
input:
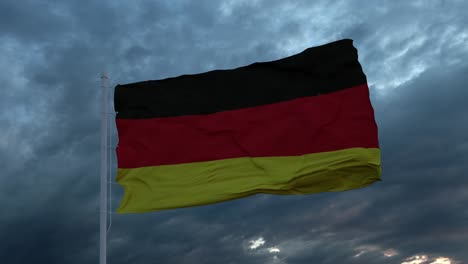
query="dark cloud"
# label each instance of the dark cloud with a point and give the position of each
(414, 55)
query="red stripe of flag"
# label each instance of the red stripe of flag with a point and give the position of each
(339, 120)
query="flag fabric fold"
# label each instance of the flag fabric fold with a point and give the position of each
(299, 125)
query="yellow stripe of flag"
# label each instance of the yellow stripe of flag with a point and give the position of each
(173, 186)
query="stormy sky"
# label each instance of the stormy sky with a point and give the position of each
(415, 56)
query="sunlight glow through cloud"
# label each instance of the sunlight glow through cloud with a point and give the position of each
(273, 250)
(415, 260)
(424, 259)
(442, 260)
(256, 243)
(390, 253)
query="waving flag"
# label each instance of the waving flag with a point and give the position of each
(299, 125)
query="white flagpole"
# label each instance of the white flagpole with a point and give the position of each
(103, 202)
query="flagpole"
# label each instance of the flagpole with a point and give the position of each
(104, 169)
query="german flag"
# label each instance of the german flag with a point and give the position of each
(299, 125)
